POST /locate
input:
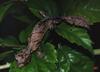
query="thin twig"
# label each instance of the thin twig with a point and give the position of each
(5, 66)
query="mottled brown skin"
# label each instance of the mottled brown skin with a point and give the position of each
(38, 32)
(23, 57)
(76, 20)
(34, 41)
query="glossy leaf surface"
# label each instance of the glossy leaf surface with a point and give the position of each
(72, 61)
(75, 35)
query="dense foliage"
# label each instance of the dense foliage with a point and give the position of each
(58, 56)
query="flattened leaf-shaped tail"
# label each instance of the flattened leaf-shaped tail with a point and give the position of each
(76, 20)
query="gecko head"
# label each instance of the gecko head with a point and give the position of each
(22, 58)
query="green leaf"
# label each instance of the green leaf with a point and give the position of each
(22, 37)
(39, 64)
(45, 5)
(72, 61)
(9, 42)
(50, 7)
(3, 10)
(75, 35)
(5, 54)
(24, 34)
(50, 54)
(97, 51)
(68, 61)
(66, 6)
(23, 19)
(36, 12)
(89, 9)
(36, 65)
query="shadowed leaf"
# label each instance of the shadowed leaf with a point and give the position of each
(3, 9)
(9, 42)
(75, 35)
(4, 54)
